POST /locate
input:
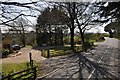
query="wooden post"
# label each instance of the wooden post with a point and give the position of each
(34, 73)
(41, 52)
(30, 57)
(48, 53)
(31, 61)
(9, 77)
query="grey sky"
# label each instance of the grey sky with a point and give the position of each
(36, 13)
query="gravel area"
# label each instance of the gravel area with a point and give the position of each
(24, 56)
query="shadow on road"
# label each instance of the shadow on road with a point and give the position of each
(80, 67)
(95, 70)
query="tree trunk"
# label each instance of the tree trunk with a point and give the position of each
(55, 36)
(22, 36)
(71, 9)
(111, 35)
(50, 41)
(50, 38)
(82, 39)
(37, 37)
(61, 33)
(23, 40)
(72, 39)
(81, 35)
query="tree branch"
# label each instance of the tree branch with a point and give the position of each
(16, 3)
(15, 18)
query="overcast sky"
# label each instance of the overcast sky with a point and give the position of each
(97, 29)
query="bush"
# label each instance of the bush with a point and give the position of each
(87, 45)
(105, 35)
(5, 52)
(44, 53)
(76, 39)
(67, 39)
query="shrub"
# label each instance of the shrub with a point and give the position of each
(44, 53)
(105, 35)
(87, 45)
(76, 39)
(67, 39)
(5, 52)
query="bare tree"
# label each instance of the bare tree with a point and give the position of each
(85, 15)
(20, 26)
(80, 15)
(10, 11)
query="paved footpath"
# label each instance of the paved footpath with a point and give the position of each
(97, 64)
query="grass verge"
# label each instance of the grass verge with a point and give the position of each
(59, 51)
(9, 68)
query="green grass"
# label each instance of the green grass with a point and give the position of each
(60, 51)
(9, 68)
(67, 39)
(90, 37)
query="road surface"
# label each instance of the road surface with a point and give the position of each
(100, 63)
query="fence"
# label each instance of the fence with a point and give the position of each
(28, 74)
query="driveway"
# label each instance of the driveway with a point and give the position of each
(24, 56)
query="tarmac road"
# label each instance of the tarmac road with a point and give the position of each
(111, 42)
(100, 63)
